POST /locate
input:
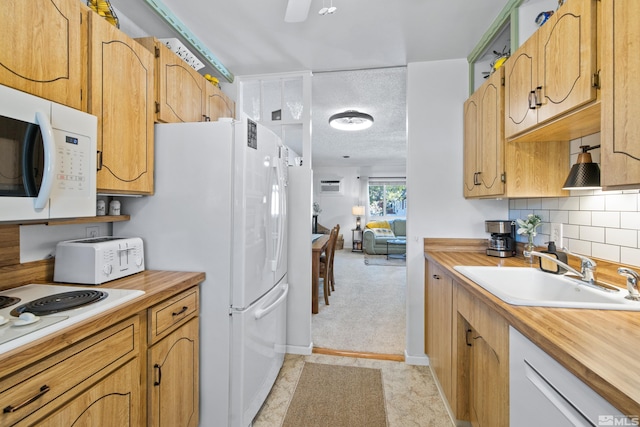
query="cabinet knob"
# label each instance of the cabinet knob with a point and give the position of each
(435, 276)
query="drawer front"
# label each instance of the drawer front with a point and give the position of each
(169, 314)
(82, 364)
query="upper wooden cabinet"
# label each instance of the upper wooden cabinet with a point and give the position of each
(218, 104)
(554, 72)
(42, 49)
(122, 97)
(620, 149)
(494, 167)
(180, 90)
(484, 139)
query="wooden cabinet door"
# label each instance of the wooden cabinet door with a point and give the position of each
(567, 59)
(173, 378)
(620, 152)
(112, 402)
(484, 409)
(520, 84)
(218, 104)
(491, 137)
(471, 124)
(122, 94)
(42, 49)
(484, 139)
(439, 312)
(180, 90)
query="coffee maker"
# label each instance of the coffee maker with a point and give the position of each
(503, 238)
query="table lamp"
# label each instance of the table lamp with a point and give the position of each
(357, 211)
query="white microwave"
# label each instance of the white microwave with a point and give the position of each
(47, 159)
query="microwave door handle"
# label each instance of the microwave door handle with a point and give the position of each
(28, 171)
(48, 174)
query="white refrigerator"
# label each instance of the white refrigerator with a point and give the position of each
(220, 206)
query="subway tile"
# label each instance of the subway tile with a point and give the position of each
(570, 204)
(521, 204)
(512, 204)
(580, 218)
(534, 203)
(514, 214)
(606, 219)
(571, 231)
(606, 192)
(592, 203)
(607, 252)
(622, 237)
(630, 256)
(550, 203)
(580, 247)
(544, 215)
(559, 216)
(592, 234)
(621, 202)
(630, 220)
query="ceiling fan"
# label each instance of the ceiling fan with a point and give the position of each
(297, 10)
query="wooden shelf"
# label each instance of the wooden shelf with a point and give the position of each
(68, 221)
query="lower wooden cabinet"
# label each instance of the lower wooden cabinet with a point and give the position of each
(439, 342)
(173, 364)
(77, 381)
(113, 402)
(468, 348)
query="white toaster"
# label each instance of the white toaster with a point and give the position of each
(98, 260)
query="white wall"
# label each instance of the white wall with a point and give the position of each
(436, 92)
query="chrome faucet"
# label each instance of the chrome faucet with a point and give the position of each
(632, 283)
(587, 271)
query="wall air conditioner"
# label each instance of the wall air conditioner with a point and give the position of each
(331, 186)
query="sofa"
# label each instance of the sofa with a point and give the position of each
(377, 233)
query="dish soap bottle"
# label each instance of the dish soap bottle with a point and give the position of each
(550, 266)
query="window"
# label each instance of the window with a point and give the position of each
(387, 198)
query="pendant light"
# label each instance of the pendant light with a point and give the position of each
(585, 174)
(327, 10)
(351, 120)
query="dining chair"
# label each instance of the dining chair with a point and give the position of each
(325, 264)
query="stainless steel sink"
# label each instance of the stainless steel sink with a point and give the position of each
(532, 287)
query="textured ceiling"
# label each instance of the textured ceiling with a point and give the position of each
(378, 37)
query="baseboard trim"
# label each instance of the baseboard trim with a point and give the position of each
(297, 349)
(422, 360)
(358, 354)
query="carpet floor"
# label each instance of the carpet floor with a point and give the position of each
(337, 396)
(366, 312)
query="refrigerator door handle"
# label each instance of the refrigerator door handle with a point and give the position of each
(260, 313)
(281, 213)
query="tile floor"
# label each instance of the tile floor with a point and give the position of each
(412, 399)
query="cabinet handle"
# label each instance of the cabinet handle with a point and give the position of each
(43, 390)
(532, 101)
(477, 178)
(538, 96)
(435, 276)
(466, 338)
(158, 370)
(99, 160)
(178, 313)
(206, 118)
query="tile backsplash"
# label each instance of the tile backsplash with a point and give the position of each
(601, 224)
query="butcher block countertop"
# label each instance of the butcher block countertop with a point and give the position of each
(157, 285)
(601, 347)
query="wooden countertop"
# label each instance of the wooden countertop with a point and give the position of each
(601, 347)
(157, 285)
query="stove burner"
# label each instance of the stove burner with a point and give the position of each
(60, 302)
(6, 301)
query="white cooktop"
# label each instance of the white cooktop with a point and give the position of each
(16, 332)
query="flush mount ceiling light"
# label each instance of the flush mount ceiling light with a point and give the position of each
(351, 120)
(585, 174)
